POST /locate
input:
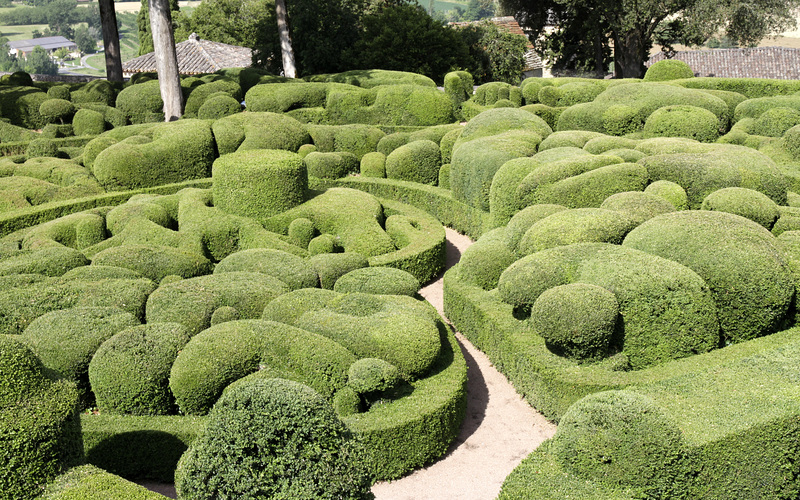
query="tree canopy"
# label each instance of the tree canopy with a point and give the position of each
(586, 29)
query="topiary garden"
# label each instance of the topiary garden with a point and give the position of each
(167, 285)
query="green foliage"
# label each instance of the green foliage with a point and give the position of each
(417, 161)
(259, 183)
(580, 225)
(39, 62)
(372, 375)
(668, 69)
(87, 481)
(356, 139)
(39, 429)
(57, 110)
(391, 105)
(142, 102)
(378, 281)
(750, 282)
(198, 95)
(317, 456)
(576, 320)
(747, 203)
(243, 131)
(774, 122)
(639, 206)
(129, 373)
(332, 266)
(295, 271)
(217, 106)
(65, 340)
(96, 91)
(373, 165)
(88, 122)
(669, 191)
(331, 165)
(680, 120)
(484, 261)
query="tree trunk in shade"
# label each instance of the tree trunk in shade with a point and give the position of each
(287, 54)
(108, 20)
(166, 59)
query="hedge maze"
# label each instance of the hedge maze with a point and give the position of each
(170, 290)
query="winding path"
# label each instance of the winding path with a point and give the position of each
(499, 430)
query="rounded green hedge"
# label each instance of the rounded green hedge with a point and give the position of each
(129, 373)
(88, 122)
(373, 165)
(295, 271)
(219, 106)
(417, 161)
(282, 429)
(637, 205)
(669, 191)
(738, 259)
(668, 69)
(378, 281)
(580, 225)
(682, 120)
(243, 131)
(747, 203)
(57, 110)
(259, 183)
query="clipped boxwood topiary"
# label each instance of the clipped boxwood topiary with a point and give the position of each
(668, 69)
(620, 438)
(378, 281)
(683, 121)
(330, 165)
(373, 165)
(286, 431)
(219, 106)
(671, 192)
(295, 271)
(129, 373)
(417, 161)
(332, 266)
(88, 122)
(57, 110)
(243, 131)
(88, 481)
(637, 205)
(748, 203)
(774, 122)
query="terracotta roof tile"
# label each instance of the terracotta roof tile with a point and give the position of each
(760, 62)
(196, 56)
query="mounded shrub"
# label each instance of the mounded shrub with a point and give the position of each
(620, 438)
(738, 259)
(316, 455)
(488, 94)
(40, 433)
(88, 481)
(668, 69)
(417, 161)
(129, 373)
(330, 165)
(482, 263)
(637, 205)
(259, 183)
(671, 192)
(295, 271)
(42, 147)
(200, 94)
(748, 203)
(88, 122)
(332, 266)
(580, 225)
(192, 302)
(218, 106)
(65, 340)
(576, 320)
(142, 102)
(683, 121)
(243, 131)
(356, 139)
(373, 165)
(774, 122)
(378, 281)
(57, 110)
(392, 141)
(96, 91)
(301, 232)
(59, 92)
(372, 375)
(524, 219)
(413, 105)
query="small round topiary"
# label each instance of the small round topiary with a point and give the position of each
(324, 243)
(301, 232)
(619, 438)
(373, 165)
(224, 314)
(59, 92)
(286, 432)
(295, 271)
(774, 122)
(671, 192)
(748, 203)
(129, 373)
(57, 110)
(370, 375)
(218, 106)
(305, 149)
(576, 320)
(88, 122)
(620, 119)
(259, 183)
(668, 69)
(41, 147)
(417, 161)
(378, 281)
(681, 120)
(637, 205)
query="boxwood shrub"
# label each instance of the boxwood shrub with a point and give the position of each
(418, 161)
(87, 481)
(668, 69)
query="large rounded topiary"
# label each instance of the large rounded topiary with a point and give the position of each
(259, 183)
(748, 203)
(668, 69)
(417, 161)
(273, 438)
(379, 281)
(681, 120)
(619, 438)
(295, 271)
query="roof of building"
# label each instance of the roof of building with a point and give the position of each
(759, 62)
(508, 23)
(196, 56)
(47, 43)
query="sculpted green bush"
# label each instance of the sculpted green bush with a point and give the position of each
(417, 161)
(638, 205)
(295, 271)
(88, 122)
(390, 105)
(57, 110)
(243, 131)
(668, 69)
(129, 373)
(141, 102)
(580, 225)
(331, 165)
(198, 95)
(219, 105)
(748, 203)
(315, 457)
(682, 120)
(378, 281)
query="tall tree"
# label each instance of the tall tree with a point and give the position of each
(287, 54)
(143, 24)
(108, 18)
(166, 59)
(632, 25)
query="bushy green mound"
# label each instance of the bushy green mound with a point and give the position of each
(491, 92)
(142, 102)
(172, 152)
(259, 183)
(620, 438)
(295, 271)
(331, 165)
(569, 94)
(682, 120)
(129, 373)
(417, 161)
(754, 108)
(219, 105)
(243, 131)
(738, 259)
(523, 220)
(369, 78)
(356, 139)
(624, 108)
(748, 203)
(20, 105)
(374, 165)
(637, 205)
(666, 309)
(332, 266)
(87, 481)
(668, 69)
(57, 110)
(39, 428)
(316, 455)
(66, 340)
(774, 122)
(200, 94)
(41, 180)
(154, 261)
(580, 225)
(390, 105)
(378, 281)
(285, 97)
(192, 302)
(88, 122)
(96, 91)
(669, 191)
(232, 350)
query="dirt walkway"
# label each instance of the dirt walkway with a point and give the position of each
(500, 429)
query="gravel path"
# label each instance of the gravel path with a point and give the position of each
(500, 428)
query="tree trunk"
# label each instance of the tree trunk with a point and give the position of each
(630, 54)
(599, 70)
(108, 19)
(166, 59)
(287, 54)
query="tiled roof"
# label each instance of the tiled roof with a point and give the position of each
(196, 56)
(760, 62)
(508, 23)
(47, 43)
